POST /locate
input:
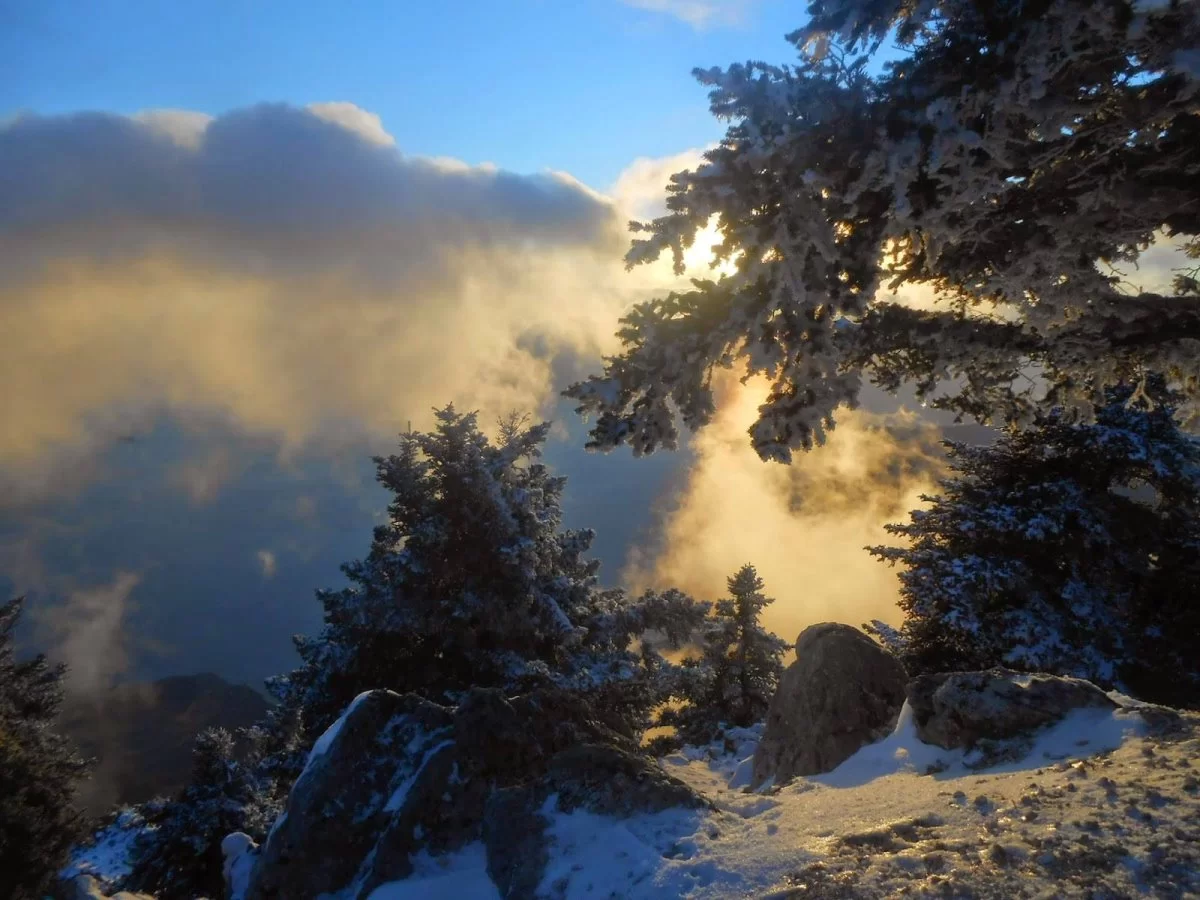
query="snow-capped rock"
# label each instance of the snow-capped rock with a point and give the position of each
(997, 712)
(400, 779)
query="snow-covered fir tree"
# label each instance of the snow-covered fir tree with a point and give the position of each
(1013, 160)
(735, 677)
(473, 581)
(178, 857)
(39, 770)
(1066, 548)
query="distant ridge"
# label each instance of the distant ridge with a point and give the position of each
(141, 733)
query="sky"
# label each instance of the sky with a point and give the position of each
(584, 87)
(243, 245)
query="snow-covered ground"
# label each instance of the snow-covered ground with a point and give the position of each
(106, 858)
(1094, 809)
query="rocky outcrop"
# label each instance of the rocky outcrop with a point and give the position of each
(997, 713)
(398, 775)
(344, 799)
(959, 709)
(843, 691)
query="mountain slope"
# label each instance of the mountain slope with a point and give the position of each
(141, 733)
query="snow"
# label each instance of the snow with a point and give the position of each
(401, 793)
(1083, 731)
(742, 774)
(598, 856)
(879, 803)
(327, 737)
(456, 876)
(901, 751)
(237, 849)
(1092, 806)
(107, 857)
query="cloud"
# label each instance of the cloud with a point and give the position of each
(87, 633)
(805, 525)
(202, 477)
(286, 290)
(285, 270)
(699, 13)
(209, 324)
(641, 188)
(365, 124)
(182, 127)
(266, 561)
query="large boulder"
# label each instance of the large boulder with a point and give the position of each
(962, 709)
(843, 691)
(398, 776)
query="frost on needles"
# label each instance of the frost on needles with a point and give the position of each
(472, 581)
(1014, 160)
(1067, 548)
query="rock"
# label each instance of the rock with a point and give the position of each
(843, 691)
(963, 709)
(400, 776)
(339, 805)
(604, 780)
(514, 836)
(432, 809)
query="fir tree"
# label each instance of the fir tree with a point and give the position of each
(38, 771)
(734, 679)
(1066, 548)
(1012, 161)
(179, 857)
(472, 581)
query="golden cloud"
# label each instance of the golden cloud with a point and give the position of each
(804, 526)
(288, 270)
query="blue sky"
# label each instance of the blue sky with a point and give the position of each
(526, 84)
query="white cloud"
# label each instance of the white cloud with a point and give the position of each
(641, 188)
(290, 277)
(87, 632)
(699, 13)
(366, 125)
(182, 127)
(290, 274)
(266, 562)
(294, 275)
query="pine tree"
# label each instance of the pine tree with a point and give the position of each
(38, 771)
(1011, 161)
(1067, 548)
(735, 677)
(179, 857)
(472, 581)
